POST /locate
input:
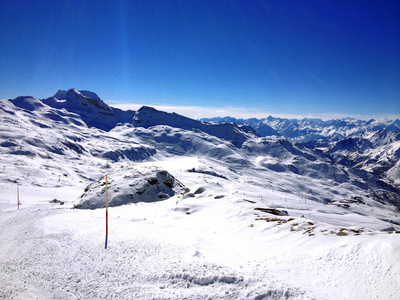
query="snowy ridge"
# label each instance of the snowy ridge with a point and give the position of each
(197, 210)
(148, 116)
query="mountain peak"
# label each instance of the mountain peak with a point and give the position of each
(93, 111)
(75, 99)
(62, 94)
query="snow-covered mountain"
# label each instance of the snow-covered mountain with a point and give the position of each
(197, 209)
(309, 129)
(377, 152)
(91, 109)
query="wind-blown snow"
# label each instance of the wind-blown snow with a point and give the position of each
(197, 211)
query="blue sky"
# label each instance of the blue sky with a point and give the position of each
(272, 57)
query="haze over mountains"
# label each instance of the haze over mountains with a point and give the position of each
(214, 196)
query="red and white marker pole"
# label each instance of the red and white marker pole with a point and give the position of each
(106, 212)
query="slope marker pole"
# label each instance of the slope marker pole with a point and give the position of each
(18, 195)
(106, 212)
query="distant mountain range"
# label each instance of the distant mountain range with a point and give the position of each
(305, 130)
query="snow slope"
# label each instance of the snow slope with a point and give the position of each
(197, 211)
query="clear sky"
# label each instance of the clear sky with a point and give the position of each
(278, 57)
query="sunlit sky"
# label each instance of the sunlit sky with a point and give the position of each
(261, 57)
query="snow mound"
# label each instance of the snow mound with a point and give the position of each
(131, 186)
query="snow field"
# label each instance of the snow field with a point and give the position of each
(208, 243)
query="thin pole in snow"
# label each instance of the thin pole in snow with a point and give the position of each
(18, 203)
(106, 212)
